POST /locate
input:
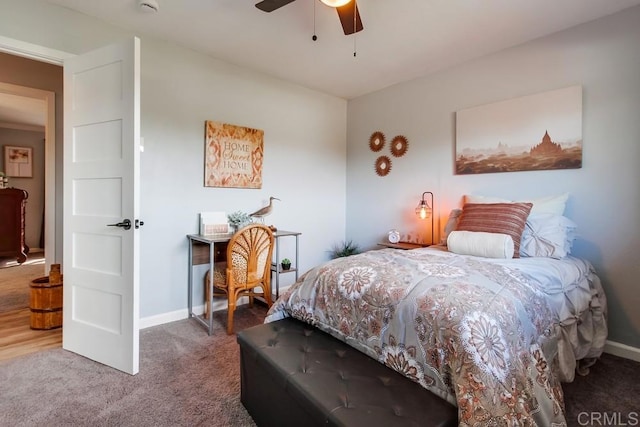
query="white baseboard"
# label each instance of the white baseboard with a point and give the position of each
(622, 350)
(160, 319)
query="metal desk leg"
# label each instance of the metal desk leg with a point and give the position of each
(210, 284)
(190, 263)
(297, 260)
(277, 268)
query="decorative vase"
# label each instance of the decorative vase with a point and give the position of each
(235, 227)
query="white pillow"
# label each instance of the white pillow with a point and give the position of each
(479, 243)
(550, 204)
(547, 235)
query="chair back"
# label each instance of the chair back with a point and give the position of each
(249, 255)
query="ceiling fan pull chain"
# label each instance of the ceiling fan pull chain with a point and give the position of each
(314, 38)
(355, 34)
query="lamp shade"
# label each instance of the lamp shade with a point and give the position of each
(424, 210)
(335, 3)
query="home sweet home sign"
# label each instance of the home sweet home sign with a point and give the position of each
(233, 156)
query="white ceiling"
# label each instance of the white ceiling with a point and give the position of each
(401, 40)
(21, 110)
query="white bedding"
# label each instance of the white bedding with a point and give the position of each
(566, 281)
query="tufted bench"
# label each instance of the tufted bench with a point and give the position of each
(293, 374)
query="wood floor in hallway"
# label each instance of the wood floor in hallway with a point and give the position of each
(17, 338)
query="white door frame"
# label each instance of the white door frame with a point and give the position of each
(51, 56)
(49, 165)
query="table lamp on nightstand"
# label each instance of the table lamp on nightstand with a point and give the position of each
(424, 210)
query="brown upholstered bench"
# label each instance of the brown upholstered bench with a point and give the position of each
(293, 374)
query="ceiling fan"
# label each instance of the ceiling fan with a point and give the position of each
(347, 12)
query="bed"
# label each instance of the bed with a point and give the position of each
(494, 336)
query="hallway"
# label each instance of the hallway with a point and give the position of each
(16, 336)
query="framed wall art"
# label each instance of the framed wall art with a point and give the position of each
(18, 161)
(535, 132)
(233, 156)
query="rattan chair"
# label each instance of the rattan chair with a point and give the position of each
(248, 266)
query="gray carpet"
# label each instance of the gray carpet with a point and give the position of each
(188, 378)
(610, 392)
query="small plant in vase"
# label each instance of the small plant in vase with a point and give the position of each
(285, 264)
(238, 219)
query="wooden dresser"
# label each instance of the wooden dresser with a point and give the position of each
(12, 207)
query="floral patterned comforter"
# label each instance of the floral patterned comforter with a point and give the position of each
(478, 334)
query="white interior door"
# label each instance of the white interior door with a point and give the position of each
(101, 169)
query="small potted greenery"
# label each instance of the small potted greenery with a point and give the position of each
(286, 264)
(344, 249)
(238, 219)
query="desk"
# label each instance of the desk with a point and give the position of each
(211, 242)
(217, 250)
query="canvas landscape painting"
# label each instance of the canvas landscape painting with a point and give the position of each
(535, 132)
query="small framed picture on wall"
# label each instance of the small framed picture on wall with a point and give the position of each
(18, 161)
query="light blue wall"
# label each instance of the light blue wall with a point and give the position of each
(602, 56)
(304, 145)
(304, 164)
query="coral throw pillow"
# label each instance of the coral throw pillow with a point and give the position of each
(505, 218)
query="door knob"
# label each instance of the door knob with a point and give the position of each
(126, 224)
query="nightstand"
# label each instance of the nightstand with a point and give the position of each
(402, 245)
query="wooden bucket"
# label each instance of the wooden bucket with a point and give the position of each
(45, 302)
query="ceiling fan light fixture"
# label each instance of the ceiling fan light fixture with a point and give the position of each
(335, 3)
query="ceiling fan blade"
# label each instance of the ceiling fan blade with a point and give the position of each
(346, 14)
(271, 5)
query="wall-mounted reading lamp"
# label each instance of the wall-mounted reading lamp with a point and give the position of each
(425, 210)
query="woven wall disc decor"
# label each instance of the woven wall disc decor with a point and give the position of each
(399, 146)
(383, 165)
(377, 141)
